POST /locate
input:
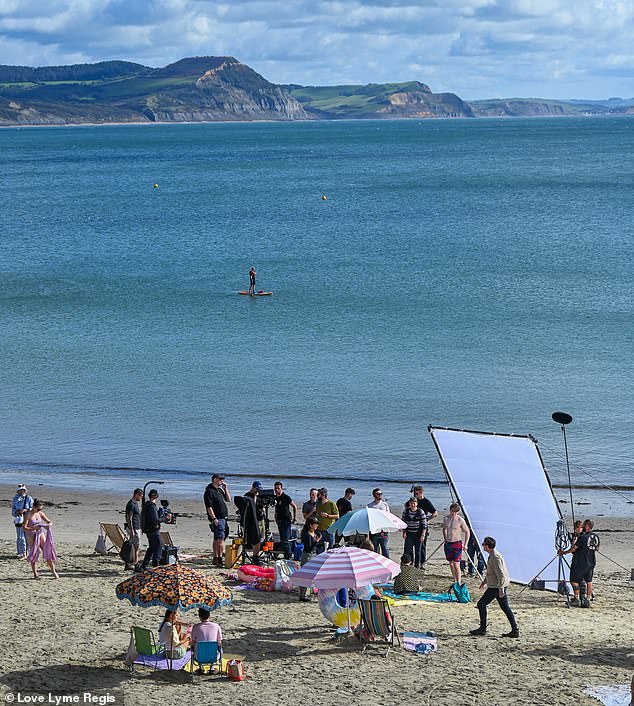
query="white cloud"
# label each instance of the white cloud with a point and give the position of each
(476, 48)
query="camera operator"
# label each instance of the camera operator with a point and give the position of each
(249, 531)
(216, 498)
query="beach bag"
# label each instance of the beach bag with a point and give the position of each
(235, 670)
(127, 552)
(461, 592)
(131, 653)
(100, 545)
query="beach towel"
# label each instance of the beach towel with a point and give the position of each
(613, 695)
(420, 642)
(388, 592)
(162, 662)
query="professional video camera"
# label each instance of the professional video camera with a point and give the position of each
(265, 499)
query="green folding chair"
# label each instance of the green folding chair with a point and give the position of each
(374, 623)
(145, 646)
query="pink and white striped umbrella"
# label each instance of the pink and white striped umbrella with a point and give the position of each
(348, 567)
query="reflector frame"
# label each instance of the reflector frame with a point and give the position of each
(504, 491)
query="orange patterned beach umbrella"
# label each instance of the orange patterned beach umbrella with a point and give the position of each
(174, 587)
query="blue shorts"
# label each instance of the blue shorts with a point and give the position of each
(218, 530)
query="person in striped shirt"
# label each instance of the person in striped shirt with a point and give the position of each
(414, 535)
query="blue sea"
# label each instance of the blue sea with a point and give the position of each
(472, 274)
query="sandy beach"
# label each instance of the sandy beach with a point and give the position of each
(69, 636)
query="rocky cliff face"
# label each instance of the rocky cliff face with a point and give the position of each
(196, 89)
(419, 104)
(230, 91)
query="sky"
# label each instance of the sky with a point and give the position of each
(475, 48)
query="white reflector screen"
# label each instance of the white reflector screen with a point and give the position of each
(502, 486)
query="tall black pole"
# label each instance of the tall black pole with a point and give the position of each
(572, 506)
(564, 418)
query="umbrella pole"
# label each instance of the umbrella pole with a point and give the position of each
(348, 607)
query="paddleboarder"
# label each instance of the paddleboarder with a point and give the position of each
(252, 274)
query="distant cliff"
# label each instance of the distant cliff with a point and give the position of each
(379, 100)
(214, 88)
(517, 107)
(195, 89)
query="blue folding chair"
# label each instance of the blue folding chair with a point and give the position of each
(206, 654)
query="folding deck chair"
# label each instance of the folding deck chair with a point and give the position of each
(115, 534)
(166, 539)
(146, 646)
(206, 654)
(374, 624)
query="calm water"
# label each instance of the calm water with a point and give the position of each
(473, 274)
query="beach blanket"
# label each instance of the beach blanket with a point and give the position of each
(420, 642)
(387, 590)
(163, 662)
(617, 695)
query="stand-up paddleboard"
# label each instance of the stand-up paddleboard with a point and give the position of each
(260, 293)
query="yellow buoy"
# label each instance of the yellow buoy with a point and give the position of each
(156, 186)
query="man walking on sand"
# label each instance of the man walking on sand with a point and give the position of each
(453, 527)
(133, 522)
(216, 498)
(497, 581)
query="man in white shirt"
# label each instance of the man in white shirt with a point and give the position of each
(453, 527)
(379, 540)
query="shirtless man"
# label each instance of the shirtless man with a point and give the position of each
(453, 527)
(252, 274)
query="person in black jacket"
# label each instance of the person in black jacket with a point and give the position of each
(151, 526)
(216, 498)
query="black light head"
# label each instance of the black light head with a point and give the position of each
(561, 417)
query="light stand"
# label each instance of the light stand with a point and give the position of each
(563, 418)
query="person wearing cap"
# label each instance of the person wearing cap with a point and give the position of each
(21, 504)
(379, 540)
(151, 528)
(327, 514)
(216, 498)
(285, 516)
(344, 505)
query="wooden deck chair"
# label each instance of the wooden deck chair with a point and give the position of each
(374, 623)
(145, 646)
(115, 534)
(206, 654)
(166, 539)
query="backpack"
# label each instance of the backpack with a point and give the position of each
(461, 592)
(127, 552)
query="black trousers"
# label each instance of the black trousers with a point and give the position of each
(489, 596)
(153, 552)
